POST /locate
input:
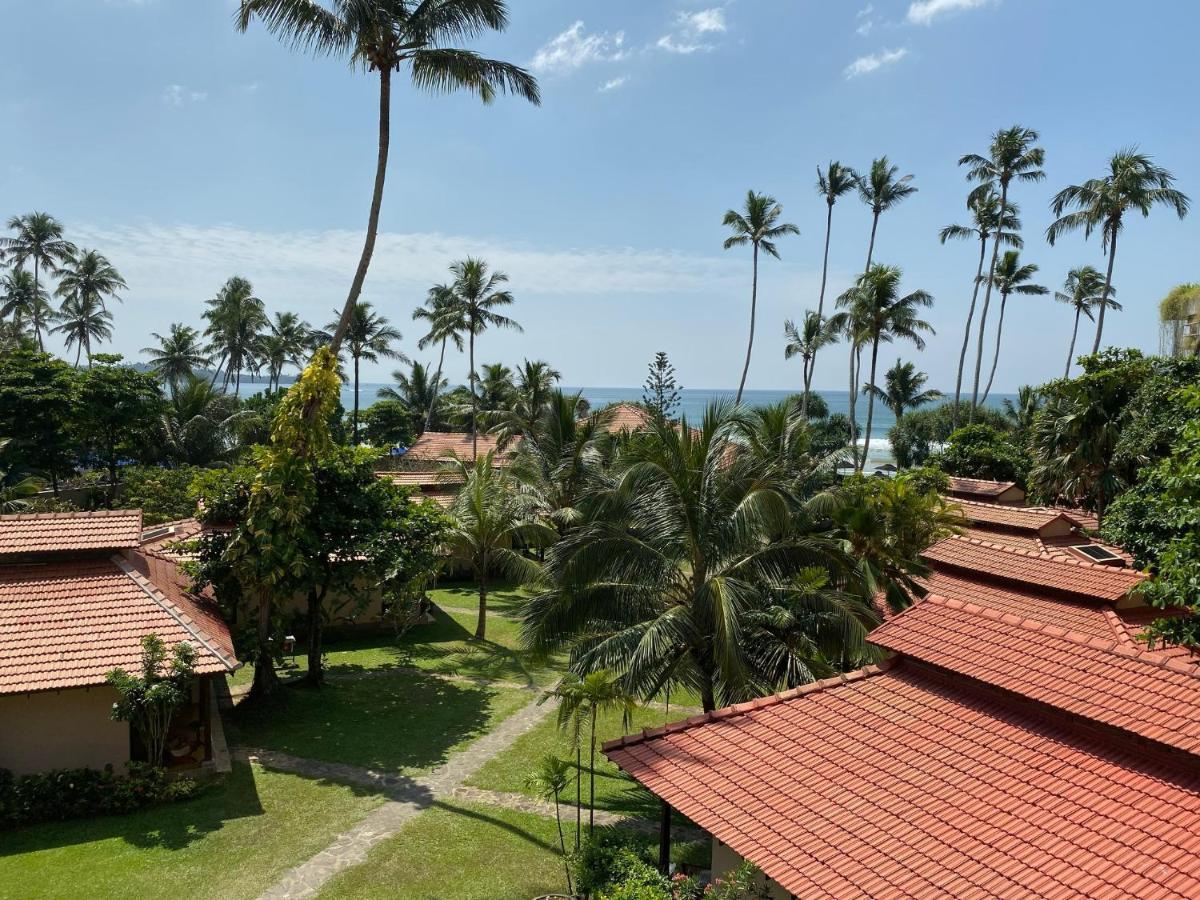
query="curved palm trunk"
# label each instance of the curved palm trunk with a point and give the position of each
(364, 262)
(1071, 349)
(217, 371)
(1112, 255)
(962, 356)
(78, 353)
(354, 416)
(987, 299)
(437, 380)
(996, 356)
(753, 311)
(825, 261)
(870, 403)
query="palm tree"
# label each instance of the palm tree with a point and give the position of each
(1083, 291)
(178, 354)
(530, 393)
(382, 36)
(368, 336)
(903, 389)
(582, 699)
(818, 332)
(1012, 155)
(39, 239)
(760, 227)
(445, 324)
(881, 190)
(557, 459)
(1010, 277)
(16, 488)
(683, 538)
(1022, 413)
(548, 781)
(286, 344)
(91, 276)
(1133, 184)
(882, 315)
(477, 294)
(987, 221)
(489, 523)
(26, 303)
(414, 390)
(236, 319)
(201, 424)
(83, 319)
(832, 182)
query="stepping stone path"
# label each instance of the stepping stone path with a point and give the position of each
(407, 798)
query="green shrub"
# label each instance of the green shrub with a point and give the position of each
(980, 451)
(163, 495)
(82, 793)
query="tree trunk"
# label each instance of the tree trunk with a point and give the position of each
(753, 311)
(962, 356)
(481, 622)
(37, 326)
(996, 356)
(78, 353)
(217, 372)
(871, 245)
(354, 415)
(808, 374)
(266, 681)
(825, 262)
(1071, 349)
(437, 380)
(578, 795)
(987, 299)
(870, 403)
(315, 677)
(855, 350)
(592, 778)
(562, 844)
(474, 398)
(364, 262)
(1112, 255)
(708, 700)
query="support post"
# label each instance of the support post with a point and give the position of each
(664, 839)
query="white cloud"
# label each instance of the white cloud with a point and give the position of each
(865, 19)
(178, 95)
(613, 83)
(923, 12)
(573, 48)
(865, 65)
(690, 29)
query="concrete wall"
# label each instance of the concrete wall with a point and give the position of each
(725, 861)
(62, 730)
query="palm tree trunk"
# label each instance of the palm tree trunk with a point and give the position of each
(1071, 349)
(562, 844)
(37, 327)
(987, 299)
(364, 262)
(871, 245)
(578, 795)
(217, 371)
(962, 356)
(78, 352)
(870, 403)
(1112, 255)
(266, 681)
(808, 374)
(481, 622)
(592, 778)
(474, 399)
(753, 311)
(825, 262)
(996, 356)
(354, 416)
(436, 382)
(855, 351)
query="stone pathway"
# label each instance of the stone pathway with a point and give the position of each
(407, 797)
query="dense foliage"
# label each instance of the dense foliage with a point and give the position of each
(62, 794)
(981, 451)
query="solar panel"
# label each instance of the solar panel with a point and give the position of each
(1099, 554)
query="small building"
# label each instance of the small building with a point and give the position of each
(434, 448)
(78, 592)
(982, 490)
(440, 487)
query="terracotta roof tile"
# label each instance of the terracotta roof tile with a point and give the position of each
(427, 480)
(979, 487)
(1021, 518)
(1084, 674)
(905, 784)
(438, 446)
(54, 532)
(625, 417)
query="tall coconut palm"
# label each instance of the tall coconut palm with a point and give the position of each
(834, 181)
(477, 295)
(1022, 413)
(816, 332)
(369, 337)
(532, 389)
(904, 389)
(1083, 291)
(757, 225)
(1013, 155)
(286, 344)
(177, 355)
(91, 276)
(38, 240)
(986, 222)
(236, 319)
(25, 303)
(445, 324)
(1010, 276)
(83, 319)
(384, 36)
(881, 190)
(882, 315)
(1133, 184)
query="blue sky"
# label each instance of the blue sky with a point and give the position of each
(188, 152)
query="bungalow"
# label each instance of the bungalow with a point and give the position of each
(434, 448)
(1020, 740)
(78, 592)
(981, 490)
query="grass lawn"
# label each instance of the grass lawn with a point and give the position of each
(615, 791)
(233, 841)
(462, 851)
(406, 722)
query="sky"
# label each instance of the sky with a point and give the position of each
(188, 152)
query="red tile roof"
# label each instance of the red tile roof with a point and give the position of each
(1101, 679)
(438, 446)
(1019, 518)
(980, 487)
(71, 531)
(67, 623)
(625, 417)
(907, 784)
(425, 480)
(1060, 574)
(1028, 542)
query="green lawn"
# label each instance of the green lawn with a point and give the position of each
(615, 791)
(465, 852)
(405, 722)
(233, 841)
